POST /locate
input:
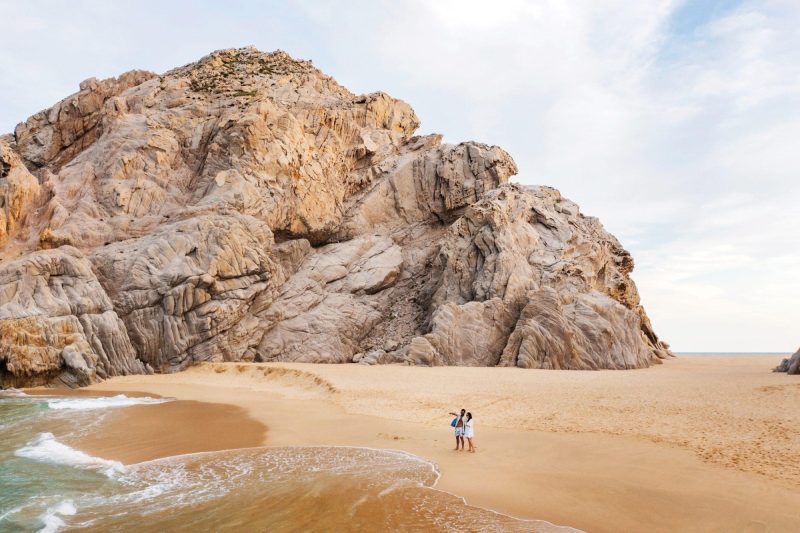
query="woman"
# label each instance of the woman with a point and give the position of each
(469, 432)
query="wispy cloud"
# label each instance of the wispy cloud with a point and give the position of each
(674, 122)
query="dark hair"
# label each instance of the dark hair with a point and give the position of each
(463, 411)
(469, 416)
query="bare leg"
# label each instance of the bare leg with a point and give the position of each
(457, 442)
(471, 447)
(462, 442)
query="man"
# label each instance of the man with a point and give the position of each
(459, 425)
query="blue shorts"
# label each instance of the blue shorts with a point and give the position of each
(460, 432)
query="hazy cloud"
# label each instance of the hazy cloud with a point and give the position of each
(676, 123)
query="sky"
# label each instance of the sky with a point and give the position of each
(676, 123)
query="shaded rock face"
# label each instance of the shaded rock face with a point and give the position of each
(790, 365)
(248, 207)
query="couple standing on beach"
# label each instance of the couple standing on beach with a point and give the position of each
(464, 429)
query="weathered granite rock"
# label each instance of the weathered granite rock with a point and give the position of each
(470, 334)
(790, 365)
(188, 282)
(533, 260)
(19, 191)
(584, 331)
(248, 207)
(427, 182)
(57, 324)
(58, 134)
(331, 304)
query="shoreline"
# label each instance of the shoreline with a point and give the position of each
(171, 430)
(596, 479)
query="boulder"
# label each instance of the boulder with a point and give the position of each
(790, 365)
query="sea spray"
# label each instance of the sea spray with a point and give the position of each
(51, 518)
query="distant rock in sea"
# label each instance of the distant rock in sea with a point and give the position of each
(790, 365)
(247, 207)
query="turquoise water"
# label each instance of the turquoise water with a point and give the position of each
(40, 477)
(48, 486)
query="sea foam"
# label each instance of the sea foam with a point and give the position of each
(51, 518)
(103, 402)
(47, 449)
(12, 392)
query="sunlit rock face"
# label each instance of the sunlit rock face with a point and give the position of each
(248, 207)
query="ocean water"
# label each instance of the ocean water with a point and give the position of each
(48, 486)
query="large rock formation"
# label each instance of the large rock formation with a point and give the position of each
(248, 207)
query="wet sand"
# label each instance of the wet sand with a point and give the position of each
(697, 444)
(139, 433)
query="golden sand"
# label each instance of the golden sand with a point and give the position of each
(696, 444)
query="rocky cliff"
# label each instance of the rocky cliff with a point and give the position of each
(248, 207)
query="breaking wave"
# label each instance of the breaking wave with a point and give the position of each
(47, 449)
(106, 402)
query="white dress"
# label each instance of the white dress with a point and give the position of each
(469, 432)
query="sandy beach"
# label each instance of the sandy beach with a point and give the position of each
(696, 444)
